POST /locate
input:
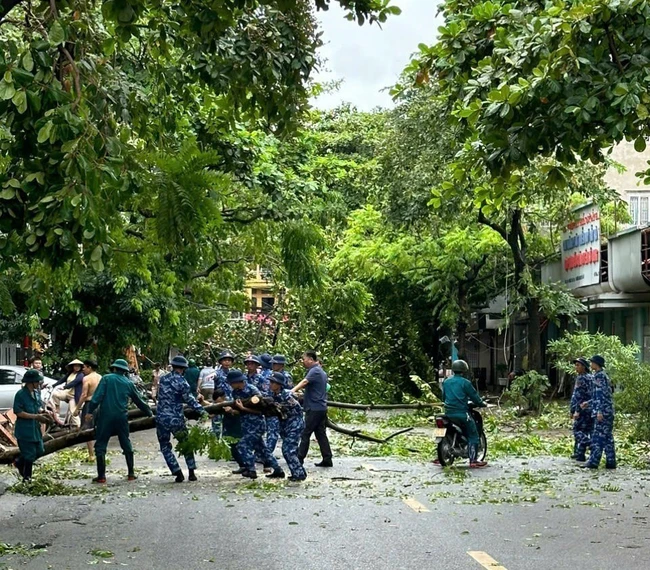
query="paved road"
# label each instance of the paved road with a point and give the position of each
(366, 513)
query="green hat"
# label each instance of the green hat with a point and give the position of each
(191, 362)
(32, 376)
(120, 364)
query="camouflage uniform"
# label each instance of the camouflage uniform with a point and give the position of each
(273, 423)
(602, 438)
(220, 384)
(253, 426)
(583, 425)
(291, 429)
(261, 382)
(173, 391)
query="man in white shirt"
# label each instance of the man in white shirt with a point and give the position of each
(206, 381)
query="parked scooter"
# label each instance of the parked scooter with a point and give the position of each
(452, 443)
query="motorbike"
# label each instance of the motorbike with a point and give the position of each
(452, 443)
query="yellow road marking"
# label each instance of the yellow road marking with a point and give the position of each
(485, 560)
(417, 507)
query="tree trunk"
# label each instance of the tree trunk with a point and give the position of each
(461, 336)
(137, 422)
(534, 335)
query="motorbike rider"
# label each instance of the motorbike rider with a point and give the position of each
(456, 391)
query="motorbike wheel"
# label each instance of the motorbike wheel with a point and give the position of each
(445, 454)
(482, 447)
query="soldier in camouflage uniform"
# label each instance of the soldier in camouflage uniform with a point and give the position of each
(252, 363)
(273, 424)
(278, 363)
(583, 423)
(252, 425)
(226, 360)
(602, 411)
(173, 392)
(260, 382)
(291, 427)
(265, 362)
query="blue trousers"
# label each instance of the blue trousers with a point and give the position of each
(164, 434)
(582, 430)
(272, 433)
(602, 439)
(251, 445)
(291, 430)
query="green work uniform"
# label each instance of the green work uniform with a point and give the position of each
(28, 432)
(456, 391)
(112, 398)
(192, 377)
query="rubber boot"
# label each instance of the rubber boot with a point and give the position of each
(179, 476)
(19, 464)
(130, 467)
(192, 475)
(101, 469)
(27, 470)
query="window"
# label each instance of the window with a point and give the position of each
(634, 209)
(7, 377)
(640, 208)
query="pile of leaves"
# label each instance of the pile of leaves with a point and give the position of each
(200, 440)
(50, 476)
(508, 434)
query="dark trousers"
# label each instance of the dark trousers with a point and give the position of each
(315, 423)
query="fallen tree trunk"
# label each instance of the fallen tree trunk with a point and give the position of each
(138, 421)
(366, 407)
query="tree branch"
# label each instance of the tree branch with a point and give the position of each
(75, 74)
(216, 265)
(490, 224)
(134, 233)
(612, 48)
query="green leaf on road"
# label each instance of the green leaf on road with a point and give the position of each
(101, 553)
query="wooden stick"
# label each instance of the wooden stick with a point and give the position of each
(356, 433)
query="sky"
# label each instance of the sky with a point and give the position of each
(368, 58)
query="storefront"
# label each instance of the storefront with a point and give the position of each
(616, 289)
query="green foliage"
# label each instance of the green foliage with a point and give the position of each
(20, 549)
(621, 359)
(543, 78)
(527, 391)
(202, 441)
(51, 475)
(628, 375)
